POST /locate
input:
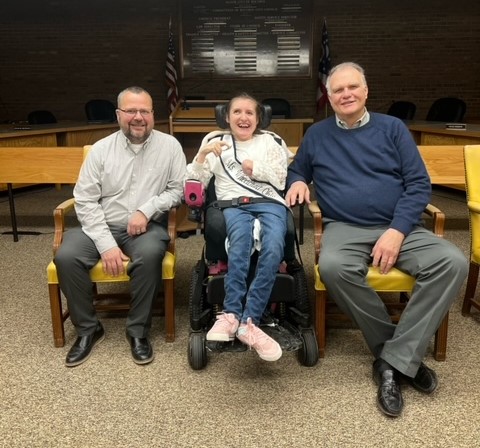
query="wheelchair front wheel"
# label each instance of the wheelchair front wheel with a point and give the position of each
(308, 355)
(197, 351)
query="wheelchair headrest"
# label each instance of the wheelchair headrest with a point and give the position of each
(221, 116)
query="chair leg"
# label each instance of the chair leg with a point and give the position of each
(168, 288)
(470, 289)
(440, 346)
(320, 320)
(57, 315)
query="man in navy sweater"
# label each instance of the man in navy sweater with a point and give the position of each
(372, 187)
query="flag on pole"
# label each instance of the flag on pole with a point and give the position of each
(171, 72)
(323, 69)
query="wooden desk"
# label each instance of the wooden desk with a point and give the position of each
(199, 118)
(434, 133)
(37, 165)
(60, 134)
(445, 165)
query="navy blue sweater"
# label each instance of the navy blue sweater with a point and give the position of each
(368, 176)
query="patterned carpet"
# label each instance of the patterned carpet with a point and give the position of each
(237, 400)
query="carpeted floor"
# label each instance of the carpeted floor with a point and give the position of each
(237, 400)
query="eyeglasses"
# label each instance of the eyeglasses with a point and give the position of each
(133, 112)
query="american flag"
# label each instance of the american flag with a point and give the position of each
(171, 73)
(323, 68)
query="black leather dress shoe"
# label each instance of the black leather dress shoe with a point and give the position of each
(82, 348)
(142, 351)
(425, 380)
(389, 395)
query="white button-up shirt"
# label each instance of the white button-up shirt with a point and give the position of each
(119, 178)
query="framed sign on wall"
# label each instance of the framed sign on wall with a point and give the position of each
(239, 38)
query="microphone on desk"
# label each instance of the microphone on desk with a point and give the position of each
(186, 106)
(191, 89)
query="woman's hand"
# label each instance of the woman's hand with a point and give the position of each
(216, 147)
(247, 167)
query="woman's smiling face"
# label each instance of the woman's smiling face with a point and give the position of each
(243, 118)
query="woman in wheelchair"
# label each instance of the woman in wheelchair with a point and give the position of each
(250, 169)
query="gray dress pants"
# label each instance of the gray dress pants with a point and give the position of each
(438, 266)
(78, 254)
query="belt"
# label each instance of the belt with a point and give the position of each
(242, 200)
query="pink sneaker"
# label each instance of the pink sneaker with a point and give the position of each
(224, 328)
(267, 348)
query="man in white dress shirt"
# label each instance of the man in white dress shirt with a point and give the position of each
(126, 187)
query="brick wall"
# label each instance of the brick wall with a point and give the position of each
(56, 55)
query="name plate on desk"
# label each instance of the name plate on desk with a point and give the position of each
(456, 126)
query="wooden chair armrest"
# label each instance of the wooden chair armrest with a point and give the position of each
(438, 219)
(314, 208)
(59, 221)
(435, 213)
(316, 213)
(172, 229)
(67, 206)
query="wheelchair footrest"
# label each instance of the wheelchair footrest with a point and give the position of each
(233, 346)
(286, 335)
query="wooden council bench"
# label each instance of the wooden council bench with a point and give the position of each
(445, 164)
(38, 165)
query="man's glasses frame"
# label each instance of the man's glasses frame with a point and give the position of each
(133, 112)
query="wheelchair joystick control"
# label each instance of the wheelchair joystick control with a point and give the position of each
(194, 193)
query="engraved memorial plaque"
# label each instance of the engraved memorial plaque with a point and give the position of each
(233, 38)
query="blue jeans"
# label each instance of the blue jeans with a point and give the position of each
(241, 300)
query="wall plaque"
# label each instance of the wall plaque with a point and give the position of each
(232, 38)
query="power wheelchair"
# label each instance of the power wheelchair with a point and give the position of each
(287, 318)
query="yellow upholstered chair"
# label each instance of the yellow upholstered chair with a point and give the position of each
(105, 301)
(472, 182)
(393, 282)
